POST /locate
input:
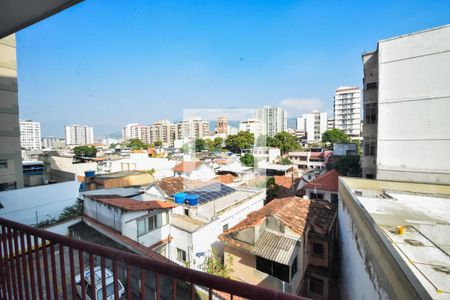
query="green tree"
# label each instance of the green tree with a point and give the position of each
(218, 142)
(113, 146)
(213, 265)
(136, 144)
(285, 161)
(209, 145)
(186, 148)
(285, 142)
(335, 136)
(237, 142)
(248, 160)
(348, 165)
(264, 141)
(157, 144)
(85, 151)
(200, 145)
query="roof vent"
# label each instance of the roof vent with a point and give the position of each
(414, 242)
(443, 269)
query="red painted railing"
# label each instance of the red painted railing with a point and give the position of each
(38, 264)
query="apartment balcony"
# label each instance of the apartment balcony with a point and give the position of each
(38, 264)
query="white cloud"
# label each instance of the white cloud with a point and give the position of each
(295, 107)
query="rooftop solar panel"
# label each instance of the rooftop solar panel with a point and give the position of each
(210, 192)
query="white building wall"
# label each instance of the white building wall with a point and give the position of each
(79, 134)
(414, 102)
(357, 278)
(105, 214)
(30, 135)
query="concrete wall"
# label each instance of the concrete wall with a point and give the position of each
(131, 180)
(414, 101)
(129, 228)
(66, 164)
(368, 269)
(9, 115)
(35, 204)
(105, 214)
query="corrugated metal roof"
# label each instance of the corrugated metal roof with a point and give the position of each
(275, 247)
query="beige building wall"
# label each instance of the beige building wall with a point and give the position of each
(11, 174)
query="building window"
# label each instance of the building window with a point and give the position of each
(370, 148)
(370, 112)
(294, 267)
(272, 268)
(3, 164)
(315, 196)
(147, 224)
(334, 199)
(225, 227)
(181, 255)
(317, 249)
(371, 85)
(316, 285)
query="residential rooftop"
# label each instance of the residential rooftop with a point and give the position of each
(328, 181)
(423, 210)
(130, 204)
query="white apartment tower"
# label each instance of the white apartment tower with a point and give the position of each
(126, 131)
(273, 120)
(30, 135)
(163, 131)
(11, 172)
(136, 131)
(251, 125)
(347, 111)
(313, 124)
(192, 128)
(407, 103)
(79, 134)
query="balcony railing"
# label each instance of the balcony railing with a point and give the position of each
(38, 264)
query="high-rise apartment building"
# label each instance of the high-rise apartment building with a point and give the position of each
(162, 131)
(313, 124)
(11, 173)
(347, 111)
(406, 107)
(273, 120)
(79, 134)
(30, 135)
(222, 125)
(192, 128)
(251, 125)
(51, 142)
(126, 131)
(136, 131)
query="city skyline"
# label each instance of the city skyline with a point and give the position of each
(199, 55)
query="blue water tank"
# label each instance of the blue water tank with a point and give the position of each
(192, 200)
(179, 198)
(89, 173)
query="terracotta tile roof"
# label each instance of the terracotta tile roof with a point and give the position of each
(226, 178)
(283, 181)
(295, 213)
(130, 204)
(173, 185)
(326, 182)
(123, 240)
(186, 166)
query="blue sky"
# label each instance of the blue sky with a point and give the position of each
(107, 63)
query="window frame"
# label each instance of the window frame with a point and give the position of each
(315, 249)
(183, 254)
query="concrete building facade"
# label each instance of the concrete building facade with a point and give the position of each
(163, 131)
(79, 134)
(406, 103)
(10, 155)
(30, 135)
(192, 128)
(273, 120)
(251, 125)
(347, 111)
(314, 124)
